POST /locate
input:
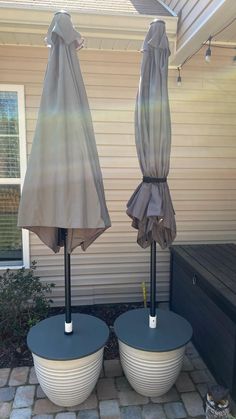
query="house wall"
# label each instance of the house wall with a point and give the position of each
(203, 165)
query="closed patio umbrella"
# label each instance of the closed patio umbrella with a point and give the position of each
(151, 349)
(150, 206)
(63, 199)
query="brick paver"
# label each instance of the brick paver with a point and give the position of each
(153, 411)
(200, 376)
(25, 413)
(184, 383)
(32, 377)
(66, 415)
(193, 403)
(109, 409)
(5, 409)
(122, 384)
(131, 412)
(198, 363)
(171, 396)
(112, 368)
(46, 406)
(40, 393)
(131, 398)
(106, 389)
(90, 403)
(188, 364)
(24, 396)
(202, 389)
(7, 394)
(88, 414)
(175, 410)
(4, 374)
(18, 376)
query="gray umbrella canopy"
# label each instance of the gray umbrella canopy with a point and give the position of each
(63, 186)
(150, 206)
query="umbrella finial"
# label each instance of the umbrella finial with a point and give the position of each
(62, 11)
(158, 20)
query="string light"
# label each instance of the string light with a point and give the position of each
(208, 51)
(179, 79)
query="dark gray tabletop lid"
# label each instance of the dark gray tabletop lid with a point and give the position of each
(172, 331)
(48, 340)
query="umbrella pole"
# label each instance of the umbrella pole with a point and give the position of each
(152, 315)
(68, 321)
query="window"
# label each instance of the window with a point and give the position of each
(14, 242)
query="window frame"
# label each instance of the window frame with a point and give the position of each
(19, 89)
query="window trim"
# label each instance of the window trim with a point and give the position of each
(23, 165)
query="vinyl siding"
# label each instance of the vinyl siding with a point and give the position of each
(203, 165)
(191, 14)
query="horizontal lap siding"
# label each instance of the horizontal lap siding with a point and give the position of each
(203, 165)
(191, 15)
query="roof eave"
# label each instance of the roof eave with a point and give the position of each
(36, 21)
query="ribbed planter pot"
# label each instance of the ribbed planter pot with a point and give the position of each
(68, 383)
(152, 358)
(151, 373)
(68, 366)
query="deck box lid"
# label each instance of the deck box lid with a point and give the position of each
(215, 269)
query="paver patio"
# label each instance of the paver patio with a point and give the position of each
(22, 398)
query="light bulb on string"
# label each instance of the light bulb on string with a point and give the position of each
(179, 79)
(208, 51)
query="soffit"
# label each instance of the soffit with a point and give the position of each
(112, 31)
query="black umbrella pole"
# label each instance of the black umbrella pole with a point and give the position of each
(68, 322)
(152, 317)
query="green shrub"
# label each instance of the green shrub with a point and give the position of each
(23, 302)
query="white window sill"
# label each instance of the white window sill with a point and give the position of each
(12, 267)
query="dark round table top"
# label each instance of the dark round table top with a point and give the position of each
(172, 330)
(48, 340)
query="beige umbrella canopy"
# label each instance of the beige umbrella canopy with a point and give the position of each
(150, 206)
(63, 199)
(63, 186)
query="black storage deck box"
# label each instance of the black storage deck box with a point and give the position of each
(203, 290)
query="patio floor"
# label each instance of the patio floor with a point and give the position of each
(22, 398)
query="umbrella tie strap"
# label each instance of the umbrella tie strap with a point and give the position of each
(148, 179)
